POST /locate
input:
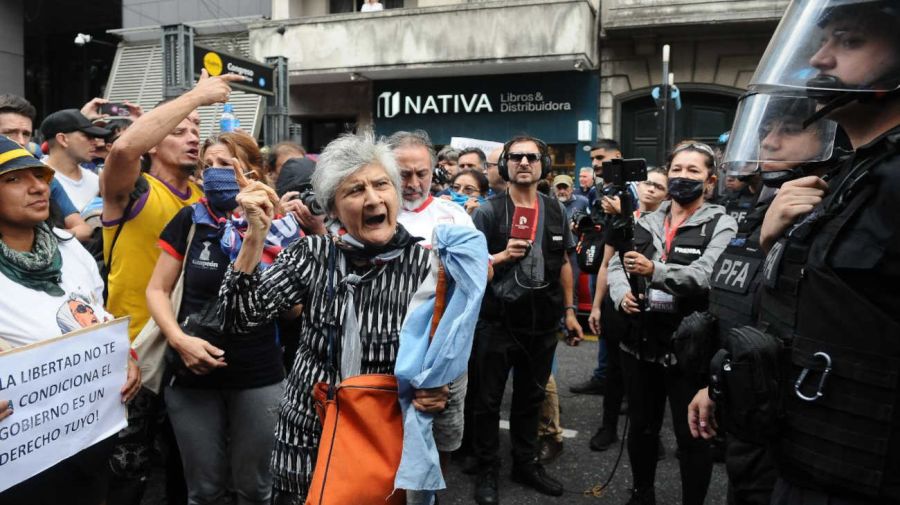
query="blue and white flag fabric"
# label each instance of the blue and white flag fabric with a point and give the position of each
(463, 253)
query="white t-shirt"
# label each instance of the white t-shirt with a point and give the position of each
(367, 7)
(28, 315)
(83, 191)
(435, 211)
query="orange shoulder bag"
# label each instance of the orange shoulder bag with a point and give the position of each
(362, 430)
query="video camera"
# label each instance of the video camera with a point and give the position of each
(440, 176)
(308, 197)
(617, 174)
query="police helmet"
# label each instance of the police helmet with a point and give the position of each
(814, 36)
(770, 133)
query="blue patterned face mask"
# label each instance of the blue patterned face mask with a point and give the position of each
(221, 188)
(461, 199)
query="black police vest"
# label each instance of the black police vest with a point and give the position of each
(842, 393)
(554, 251)
(736, 276)
(688, 245)
(739, 206)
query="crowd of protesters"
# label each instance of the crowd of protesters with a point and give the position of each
(266, 273)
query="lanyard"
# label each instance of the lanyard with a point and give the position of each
(670, 231)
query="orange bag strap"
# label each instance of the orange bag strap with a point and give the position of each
(440, 300)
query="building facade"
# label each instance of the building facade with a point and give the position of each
(484, 70)
(568, 71)
(715, 47)
(346, 67)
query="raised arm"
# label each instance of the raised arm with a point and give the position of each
(123, 163)
(249, 297)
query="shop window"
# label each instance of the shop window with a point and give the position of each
(563, 156)
(315, 134)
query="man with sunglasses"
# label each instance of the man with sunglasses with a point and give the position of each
(530, 292)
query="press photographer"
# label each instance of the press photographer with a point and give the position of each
(674, 252)
(294, 187)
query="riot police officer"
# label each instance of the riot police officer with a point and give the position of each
(771, 145)
(832, 274)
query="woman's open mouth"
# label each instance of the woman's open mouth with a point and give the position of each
(376, 220)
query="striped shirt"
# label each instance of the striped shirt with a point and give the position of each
(300, 276)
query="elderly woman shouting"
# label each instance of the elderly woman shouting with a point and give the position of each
(378, 267)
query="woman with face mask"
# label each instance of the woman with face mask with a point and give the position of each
(467, 188)
(675, 250)
(224, 392)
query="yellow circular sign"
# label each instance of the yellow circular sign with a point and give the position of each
(212, 63)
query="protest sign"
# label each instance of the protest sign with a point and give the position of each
(485, 145)
(65, 396)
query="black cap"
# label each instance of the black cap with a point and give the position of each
(295, 174)
(70, 120)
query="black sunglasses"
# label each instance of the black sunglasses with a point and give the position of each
(517, 157)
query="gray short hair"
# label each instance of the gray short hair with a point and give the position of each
(345, 155)
(448, 153)
(586, 169)
(415, 138)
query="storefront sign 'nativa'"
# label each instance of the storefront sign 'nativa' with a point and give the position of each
(392, 103)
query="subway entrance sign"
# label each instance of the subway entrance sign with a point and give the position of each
(260, 79)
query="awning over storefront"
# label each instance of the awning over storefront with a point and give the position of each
(137, 76)
(498, 107)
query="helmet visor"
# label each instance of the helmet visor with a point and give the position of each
(832, 46)
(768, 134)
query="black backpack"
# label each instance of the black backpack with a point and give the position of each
(745, 378)
(589, 250)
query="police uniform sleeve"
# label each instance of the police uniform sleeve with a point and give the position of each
(691, 279)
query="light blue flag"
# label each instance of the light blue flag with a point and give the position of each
(463, 252)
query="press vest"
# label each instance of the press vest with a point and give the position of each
(687, 246)
(554, 251)
(736, 276)
(844, 350)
